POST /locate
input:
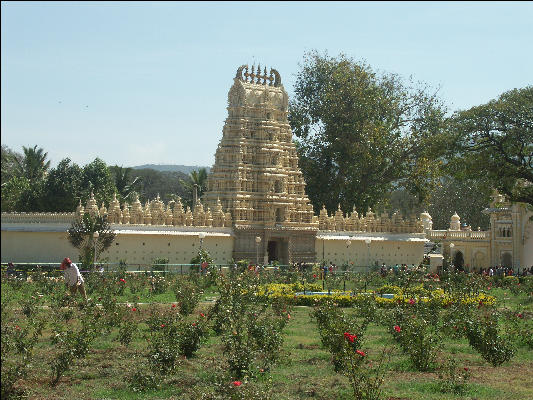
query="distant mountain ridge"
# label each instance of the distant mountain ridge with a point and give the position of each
(186, 169)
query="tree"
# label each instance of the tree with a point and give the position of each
(33, 164)
(10, 160)
(62, 189)
(467, 197)
(12, 191)
(81, 236)
(198, 179)
(495, 142)
(360, 134)
(97, 179)
(126, 184)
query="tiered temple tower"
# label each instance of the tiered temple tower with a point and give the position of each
(256, 176)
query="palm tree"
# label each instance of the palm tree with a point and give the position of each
(33, 164)
(125, 186)
(198, 179)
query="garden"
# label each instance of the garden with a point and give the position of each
(236, 333)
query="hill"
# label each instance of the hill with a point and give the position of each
(186, 169)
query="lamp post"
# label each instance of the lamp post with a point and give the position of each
(201, 235)
(348, 243)
(368, 241)
(452, 245)
(257, 241)
(96, 235)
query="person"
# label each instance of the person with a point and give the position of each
(10, 269)
(73, 279)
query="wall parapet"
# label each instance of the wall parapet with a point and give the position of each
(447, 234)
(38, 218)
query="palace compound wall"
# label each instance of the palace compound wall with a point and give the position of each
(256, 208)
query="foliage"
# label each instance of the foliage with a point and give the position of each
(495, 142)
(484, 336)
(187, 295)
(62, 187)
(126, 184)
(80, 235)
(196, 179)
(33, 165)
(97, 179)
(251, 330)
(360, 134)
(12, 192)
(453, 379)
(9, 163)
(416, 330)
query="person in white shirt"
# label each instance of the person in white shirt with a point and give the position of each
(73, 278)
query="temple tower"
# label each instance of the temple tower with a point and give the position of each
(256, 176)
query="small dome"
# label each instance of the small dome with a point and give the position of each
(425, 215)
(455, 217)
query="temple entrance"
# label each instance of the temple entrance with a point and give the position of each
(459, 261)
(273, 250)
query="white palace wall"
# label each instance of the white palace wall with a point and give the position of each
(33, 242)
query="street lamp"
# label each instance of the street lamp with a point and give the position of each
(201, 235)
(257, 241)
(96, 235)
(451, 252)
(368, 241)
(348, 243)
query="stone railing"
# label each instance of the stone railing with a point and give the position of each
(446, 235)
(38, 218)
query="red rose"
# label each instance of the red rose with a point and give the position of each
(122, 280)
(202, 315)
(194, 324)
(361, 353)
(314, 275)
(411, 301)
(237, 383)
(133, 309)
(162, 325)
(173, 305)
(520, 316)
(397, 328)
(465, 368)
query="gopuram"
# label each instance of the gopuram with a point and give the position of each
(256, 175)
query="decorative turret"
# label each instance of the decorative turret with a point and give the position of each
(80, 210)
(426, 220)
(136, 212)
(126, 214)
(455, 222)
(91, 206)
(147, 214)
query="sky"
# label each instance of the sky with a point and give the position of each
(146, 83)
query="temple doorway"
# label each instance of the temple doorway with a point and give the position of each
(459, 260)
(273, 250)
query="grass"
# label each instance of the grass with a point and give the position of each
(304, 370)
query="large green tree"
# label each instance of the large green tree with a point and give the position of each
(495, 143)
(62, 189)
(361, 134)
(97, 178)
(10, 160)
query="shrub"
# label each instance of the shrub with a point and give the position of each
(453, 379)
